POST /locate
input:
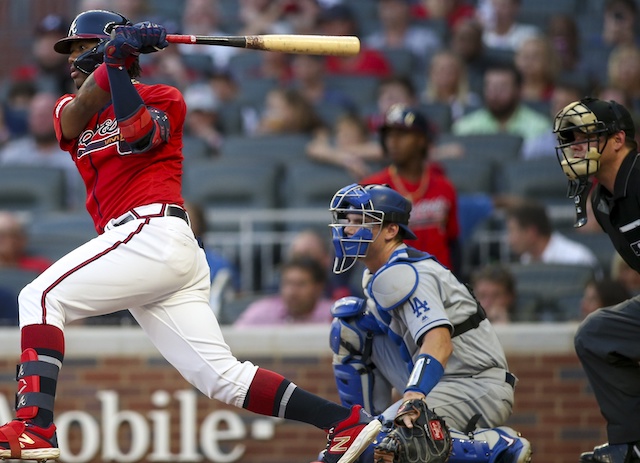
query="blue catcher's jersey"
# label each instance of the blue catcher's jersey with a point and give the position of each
(412, 294)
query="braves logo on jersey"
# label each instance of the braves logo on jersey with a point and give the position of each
(105, 135)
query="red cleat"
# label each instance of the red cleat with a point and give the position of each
(351, 437)
(22, 440)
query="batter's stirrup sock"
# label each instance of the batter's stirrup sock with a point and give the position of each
(37, 373)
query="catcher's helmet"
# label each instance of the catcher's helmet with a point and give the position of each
(594, 118)
(378, 204)
(91, 24)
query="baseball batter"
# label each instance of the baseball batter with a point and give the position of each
(420, 330)
(126, 140)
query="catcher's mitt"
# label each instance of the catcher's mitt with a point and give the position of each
(428, 441)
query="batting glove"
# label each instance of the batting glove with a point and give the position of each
(123, 48)
(153, 37)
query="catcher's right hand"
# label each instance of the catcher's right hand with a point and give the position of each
(428, 441)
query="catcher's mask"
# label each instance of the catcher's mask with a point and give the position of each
(91, 24)
(405, 118)
(590, 122)
(376, 205)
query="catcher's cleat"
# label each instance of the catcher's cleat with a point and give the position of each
(22, 440)
(518, 449)
(612, 453)
(349, 438)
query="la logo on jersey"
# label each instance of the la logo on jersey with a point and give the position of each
(420, 307)
(105, 135)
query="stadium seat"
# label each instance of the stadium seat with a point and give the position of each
(544, 285)
(53, 235)
(361, 89)
(32, 188)
(232, 184)
(468, 175)
(439, 114)
(309, 184)
(271, 148)
(496, 148)
(14, 279)
(540, 178)
(599, 243)
(195, 149)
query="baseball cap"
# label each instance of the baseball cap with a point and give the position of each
(615, 116)
(201, 97)
(405, 118)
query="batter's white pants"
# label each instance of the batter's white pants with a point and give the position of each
(154, 268)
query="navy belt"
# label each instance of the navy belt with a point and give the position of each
(169, 211)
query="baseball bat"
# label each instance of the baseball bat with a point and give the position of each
(285, 43)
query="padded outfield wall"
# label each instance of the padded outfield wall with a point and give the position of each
(119, 401)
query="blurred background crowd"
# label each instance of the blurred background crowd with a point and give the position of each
(270, 137)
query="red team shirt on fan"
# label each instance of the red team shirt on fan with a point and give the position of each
(116, 179)
(434, 216)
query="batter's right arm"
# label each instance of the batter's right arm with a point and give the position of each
(77, 113)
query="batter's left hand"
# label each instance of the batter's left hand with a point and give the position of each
(153, 37)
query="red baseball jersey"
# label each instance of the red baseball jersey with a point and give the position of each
(434, 216)
(116, 179)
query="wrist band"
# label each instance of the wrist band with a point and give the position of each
(426, 373)
(101, 77)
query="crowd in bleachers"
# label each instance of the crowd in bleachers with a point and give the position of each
(269, 130)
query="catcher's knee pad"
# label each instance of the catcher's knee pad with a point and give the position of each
(489, 446)
(351, 341)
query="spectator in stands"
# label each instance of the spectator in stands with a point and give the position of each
(39, 147)
(397, 32)
(503, 109)
(545, 143)
(202, 117)
(466, 42)
(623, 273)
(348, 145)
(309, 72)
(451, 11)
(532, 238)
(225, 278)
(623, 74)
(16, 106)
(602, 292)
(619, 24)
(8, 307)
(13, 246)
(505, 32)
(278, 17)
(406, 139)
(49, 71)
(287, 111)
(562, 31)
(202, 17)
(311, 243)
(392, 90)
(300, 298)
(538, 64)
(338, 19)
(447, 83)
(495, 288)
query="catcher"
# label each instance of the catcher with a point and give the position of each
(420, 332)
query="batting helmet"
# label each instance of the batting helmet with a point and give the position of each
(378, 204)
(592, 118)
(91, 24)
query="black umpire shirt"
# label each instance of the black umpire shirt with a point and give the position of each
(619, 213)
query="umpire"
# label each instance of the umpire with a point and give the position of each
(596, 140)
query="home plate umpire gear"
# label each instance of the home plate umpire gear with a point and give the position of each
(428, 441)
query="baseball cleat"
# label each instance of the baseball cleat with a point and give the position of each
(351, 437)
(612, 453)
(22, 440)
